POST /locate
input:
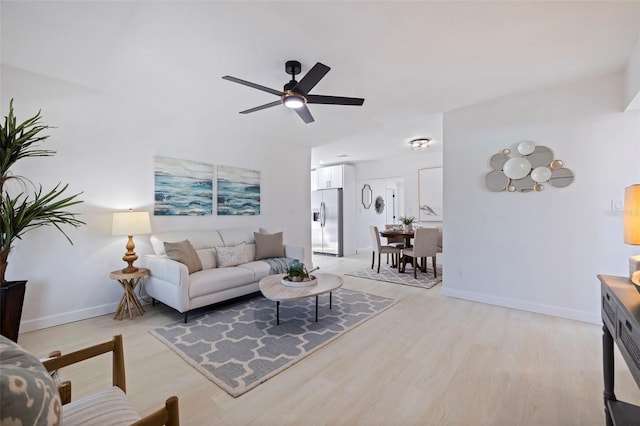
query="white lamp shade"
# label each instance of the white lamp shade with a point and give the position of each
(632, 214)
(131, 223)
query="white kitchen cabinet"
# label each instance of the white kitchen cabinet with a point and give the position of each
(328, 177)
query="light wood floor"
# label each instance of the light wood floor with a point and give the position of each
(429, 360)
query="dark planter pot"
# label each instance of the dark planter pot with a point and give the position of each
(11, 299)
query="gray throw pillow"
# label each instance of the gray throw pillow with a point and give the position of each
(269, 245)
(184, 252)
(28, 394)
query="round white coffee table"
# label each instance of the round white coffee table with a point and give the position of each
(273, 289)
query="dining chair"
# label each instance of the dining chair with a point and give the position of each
(425, 244)
(377, 247)
(397, 241)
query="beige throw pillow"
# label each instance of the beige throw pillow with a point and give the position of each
(232, 256)
(269, 245)
(184, 252)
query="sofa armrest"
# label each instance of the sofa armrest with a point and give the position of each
(294, 252)
(165, 269)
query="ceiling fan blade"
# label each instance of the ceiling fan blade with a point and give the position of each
(305, 114)
(258, 108)
(312, 78)
(255, 86)
(333, 100)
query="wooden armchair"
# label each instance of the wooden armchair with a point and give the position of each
(111, 406)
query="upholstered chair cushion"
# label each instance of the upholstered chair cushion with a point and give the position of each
(28, 394)
(184, 252)
(269, 245)
(109, 407)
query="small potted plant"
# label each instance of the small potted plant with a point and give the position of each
(407, 222)
(296, 271)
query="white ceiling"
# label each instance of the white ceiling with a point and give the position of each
(411, 61)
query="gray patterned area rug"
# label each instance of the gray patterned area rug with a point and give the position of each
(239, 346)
(389, 274)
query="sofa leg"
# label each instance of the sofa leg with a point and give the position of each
(186, 317)
(153, 302)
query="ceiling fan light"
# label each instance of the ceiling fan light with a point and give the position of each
(293, 100)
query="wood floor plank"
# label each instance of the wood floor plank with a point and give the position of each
(429, 360)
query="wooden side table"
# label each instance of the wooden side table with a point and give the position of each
(128, 281)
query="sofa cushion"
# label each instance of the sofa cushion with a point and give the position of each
(184, 252)
(259, 268)
(212, 280)
(109, 407)
(207, 258)
(28, 394)
(269, 245)
(232, 256)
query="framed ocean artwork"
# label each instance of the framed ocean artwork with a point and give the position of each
(238, 191)
(183, 187)
(430, 194)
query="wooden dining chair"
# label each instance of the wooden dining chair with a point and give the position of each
(377, 247)
(425, 244)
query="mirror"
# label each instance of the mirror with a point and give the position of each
(541, 156)
(496, 181)
(526, 184)
(497, 161)
(526, 173)
(367, 196)
(561, 178)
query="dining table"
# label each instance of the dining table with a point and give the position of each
(396, 233)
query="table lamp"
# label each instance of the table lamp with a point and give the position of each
(130, 223)
(632, 228)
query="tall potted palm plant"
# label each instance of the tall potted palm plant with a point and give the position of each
(24, 207)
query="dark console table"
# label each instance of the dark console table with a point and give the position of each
(621, 319)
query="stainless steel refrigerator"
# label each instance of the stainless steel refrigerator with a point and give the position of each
(326, 222)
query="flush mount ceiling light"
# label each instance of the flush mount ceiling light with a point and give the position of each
(419, 143)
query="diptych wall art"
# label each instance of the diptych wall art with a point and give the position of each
(185, 188)
(430, 194)
(182, 187)
(238, 191)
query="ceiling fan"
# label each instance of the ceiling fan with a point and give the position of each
(295, 94)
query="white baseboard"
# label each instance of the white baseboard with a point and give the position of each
(556, 311)
(67, 317)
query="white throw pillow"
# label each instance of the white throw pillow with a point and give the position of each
(232, 256)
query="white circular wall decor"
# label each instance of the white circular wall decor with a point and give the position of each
(526, 147)
(541, 174)
(527, 172)
(516, 168)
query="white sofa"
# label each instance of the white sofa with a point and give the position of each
(169, 281)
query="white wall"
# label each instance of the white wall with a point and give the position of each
(106, 146)
(540, 251)
(631, 100)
